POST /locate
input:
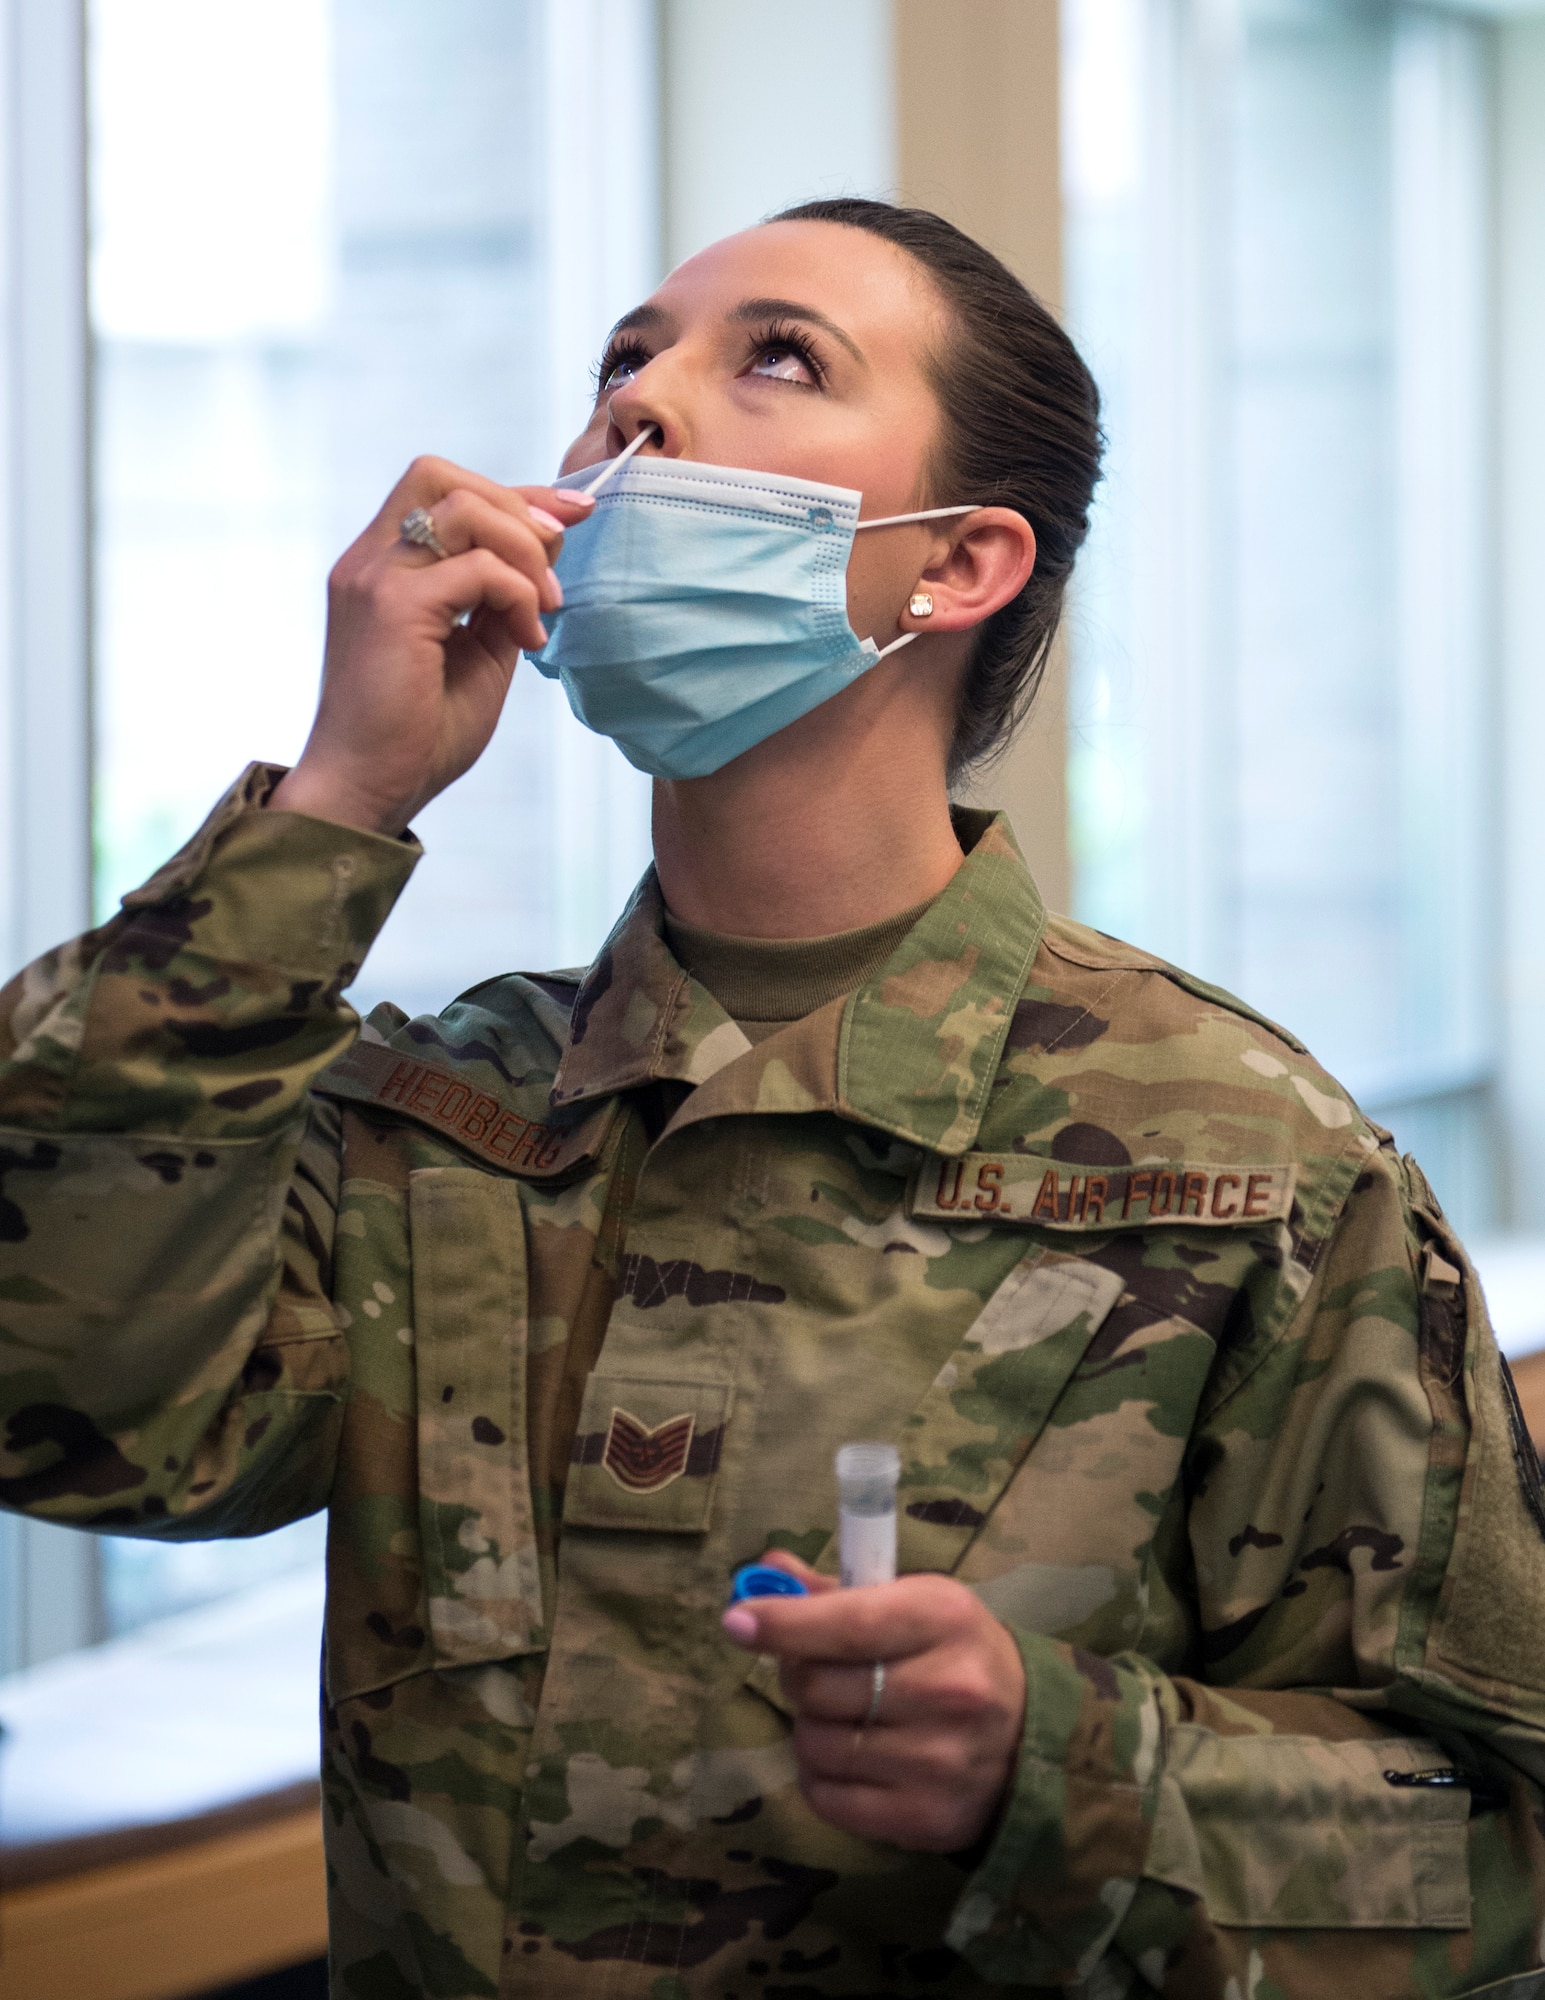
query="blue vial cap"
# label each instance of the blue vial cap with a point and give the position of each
(762, 1580)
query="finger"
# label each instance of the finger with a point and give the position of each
(479, 580)
(880, 1754)
(883, 1621)
(465, 520)
(568, 503)
(866, 1810)
(812, 1579)
(846, 1694)
(927, 1822)
(428, 480)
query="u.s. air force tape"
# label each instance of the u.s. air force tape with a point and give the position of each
(1019, 1187)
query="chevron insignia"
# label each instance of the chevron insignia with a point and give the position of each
(643, 1460)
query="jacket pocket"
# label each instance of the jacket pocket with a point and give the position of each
(646, 1454)
(481, 1577)
(990, 1401)
(1294, 1832)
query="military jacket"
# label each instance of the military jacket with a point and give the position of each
(561, 1302)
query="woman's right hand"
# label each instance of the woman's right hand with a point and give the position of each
(409, 696)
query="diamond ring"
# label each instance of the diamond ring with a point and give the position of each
(418, 528)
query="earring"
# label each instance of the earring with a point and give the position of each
(920, 604)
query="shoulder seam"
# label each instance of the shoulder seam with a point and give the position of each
(1097, 1001)
(1201, 990)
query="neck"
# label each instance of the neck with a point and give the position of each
(819, 829)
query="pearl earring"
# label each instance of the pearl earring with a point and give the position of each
(920, 604)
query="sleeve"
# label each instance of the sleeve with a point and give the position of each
(170, 1361)
(1346, 1797)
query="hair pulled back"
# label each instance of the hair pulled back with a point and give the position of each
(1021, 429)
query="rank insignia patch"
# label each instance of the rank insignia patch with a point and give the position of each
(643, 1460)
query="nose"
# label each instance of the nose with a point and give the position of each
(634, 408)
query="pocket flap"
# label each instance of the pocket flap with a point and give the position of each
(481, 1574)
(1299, 1833)
(646, 1454)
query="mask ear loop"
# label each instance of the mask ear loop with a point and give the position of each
(895, 521)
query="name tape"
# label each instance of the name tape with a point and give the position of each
(1019, 1187)
(447, 1103)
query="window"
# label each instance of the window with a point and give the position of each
(321, 237)
(359, 270)
(1279, 219)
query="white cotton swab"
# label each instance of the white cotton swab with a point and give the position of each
(616, 464)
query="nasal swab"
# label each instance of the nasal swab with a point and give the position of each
(867, 1477)
(616, 464)
(928, 514)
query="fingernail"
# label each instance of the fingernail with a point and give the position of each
(740, 1624)
(577, 499)
(545, 520)
(556, 589)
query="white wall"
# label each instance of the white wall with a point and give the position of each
(1521, 624)
(765, 106)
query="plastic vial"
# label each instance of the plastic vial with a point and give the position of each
(867, 1476)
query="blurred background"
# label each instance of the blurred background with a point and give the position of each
(257, 256)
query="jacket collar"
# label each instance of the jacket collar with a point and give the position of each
(913, 1053)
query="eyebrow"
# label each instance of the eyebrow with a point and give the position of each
(642, 319)
(751, 310)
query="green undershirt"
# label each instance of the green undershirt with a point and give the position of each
(764, 983)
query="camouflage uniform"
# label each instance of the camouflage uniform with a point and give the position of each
(1191, 1381)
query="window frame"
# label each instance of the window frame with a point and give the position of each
(50, 1597)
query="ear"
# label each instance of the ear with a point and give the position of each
(983, 565)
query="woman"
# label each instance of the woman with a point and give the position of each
(1219, 1665)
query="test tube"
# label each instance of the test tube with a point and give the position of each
(867, 1475)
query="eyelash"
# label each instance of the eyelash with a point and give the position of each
(767, 339)
(625, 347)
(783, 333)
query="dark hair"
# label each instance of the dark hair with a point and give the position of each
(1021, 429)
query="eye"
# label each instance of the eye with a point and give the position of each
(619, 364)
(782, 363)
(782, 353)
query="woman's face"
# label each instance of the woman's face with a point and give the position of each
(797, 348)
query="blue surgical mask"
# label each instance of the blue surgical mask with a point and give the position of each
(705, 607)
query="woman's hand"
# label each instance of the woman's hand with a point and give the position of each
(410, 697)
(930, 1771)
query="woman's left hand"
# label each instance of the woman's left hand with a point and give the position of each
(931, 1769)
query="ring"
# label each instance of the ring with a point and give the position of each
(419, 529)
(876, 1692)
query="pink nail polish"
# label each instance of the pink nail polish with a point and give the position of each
(740, 1624)
(556, 588)
(545, 520)
(577, 499)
